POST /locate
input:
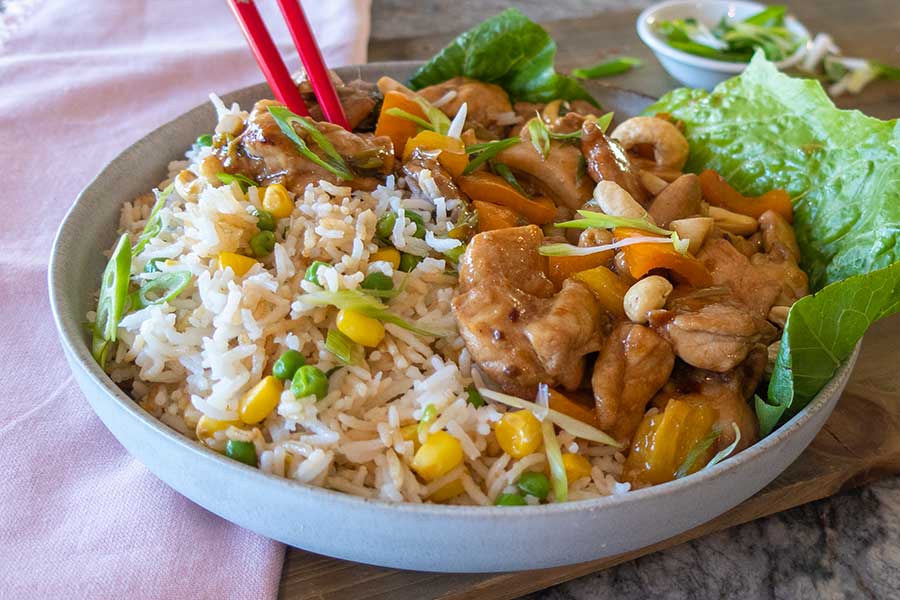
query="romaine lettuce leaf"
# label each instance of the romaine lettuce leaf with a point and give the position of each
(765, 130)
(509, 50)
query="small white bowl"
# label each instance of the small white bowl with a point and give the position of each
(696, 71)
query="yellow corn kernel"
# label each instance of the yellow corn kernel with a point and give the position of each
(410, 433)
(207, 427)
(440, 454)
(239, 263)
(448, 492)
(363, 330)
(260, 400)
(518, 433)
(276, 201)
(577, 466)
(391, 255)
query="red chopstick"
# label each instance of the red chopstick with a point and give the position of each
(312, 60)
(267, 56)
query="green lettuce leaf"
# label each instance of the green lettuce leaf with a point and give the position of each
(820, 334)
(764, 130)
(509, 50)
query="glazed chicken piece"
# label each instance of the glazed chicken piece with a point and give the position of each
(421, 160)
(779, 262)
(714, 333)
(607, 161)
(519, 331)
(359, 99)
(752, 286)
(265, 153)
(487, 104)
(555, 176)
(634, 364)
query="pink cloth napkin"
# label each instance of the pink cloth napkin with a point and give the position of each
(79, 517)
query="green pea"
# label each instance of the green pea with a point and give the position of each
(377, 281)
(385, 225)
(205, 140)
(287, 364)
(510, 500)
(419, 221)
(309, 381)
(312, 272)
(408, 262)
(534, 484)
(474, 397)
(152, 266)
(244, 452)
(455, 253)
(265, 220)
(262, 243)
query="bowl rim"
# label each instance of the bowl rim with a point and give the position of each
(73, 340)
(647, 35)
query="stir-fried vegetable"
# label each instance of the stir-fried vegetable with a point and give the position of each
(510, 500)
(451, 151)
(719, 192)
(204, 140)
(262, 244)
(153, 225)
(699, 449)
(645, 256)
(570, 250)
(364, 330)
(365, 305)
(725, 452)
(244, 452)
(540, 136)
(488, 187)
(473, 397)
(342, 347)
(332, 162)
(260, 400)
(492, 216)
(166, 287)
(518, 433)
(112, 299)
(591, 218)
(243, 181)
(429, 413)
(608, 287)
(554, 458)
(309, 381)
(486, 151)
(608, 68)
(394, 121)
(312, 271)
(734, 41)
(534, 484)
(571, 408)
(265, 220)
(438, 455)
(287, 364)
(560, 268)
(505, 172)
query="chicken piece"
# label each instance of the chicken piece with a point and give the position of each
(265, 153)
(778, 237)
(779, 262)
(717, 335)
(488, 105)
(556, 176)
(607, 161)
(751, 285)
(634, 364)
(517, 330)
(358, 98)
(678, 200)
(421, 160)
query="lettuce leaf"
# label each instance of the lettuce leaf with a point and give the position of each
(764, 130)
(509, 50)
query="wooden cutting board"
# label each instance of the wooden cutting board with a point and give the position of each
(859, 443)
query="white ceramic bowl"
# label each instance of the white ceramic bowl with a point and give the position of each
(410, 536)
(697, 71)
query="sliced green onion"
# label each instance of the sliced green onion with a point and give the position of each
(154, 225)
(377, 281)
(112, 299)
(572, 425)
(558, 477)
(428, 415)
(473, 397)
(151, 266)
(243, 181)
(603, 121)
(439, 121)
(725, 453)
(334, 164)
(615, 66)
(244, 452)
(408, 262)
(595, 219)
(168, 286)
(540, 136)
(399, 112)
(312, 272)
(570, 250)
(341, 346)
(487, 151)
(365, 304)
(454, 254)
(699, 448)
(265, 221)
(504, 172)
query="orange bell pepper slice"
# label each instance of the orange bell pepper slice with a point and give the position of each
(492, 216)
(719, 192)
(398, 128)
(560, 268)
(488, 187)
(643, 258)
(608, 287)
(571, 408)
(452, 153)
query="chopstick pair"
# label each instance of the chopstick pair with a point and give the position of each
(273, 66)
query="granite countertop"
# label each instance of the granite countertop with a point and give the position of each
(846, 546)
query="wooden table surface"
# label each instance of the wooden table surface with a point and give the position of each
(867, 28)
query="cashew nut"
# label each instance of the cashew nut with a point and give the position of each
(693, 229)
(670, 148)
(778, 315)
(210, 167)
(186, 184)
(733, 222)
(594, 236)
(648, 294)
(614, 200)
(653, 183)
